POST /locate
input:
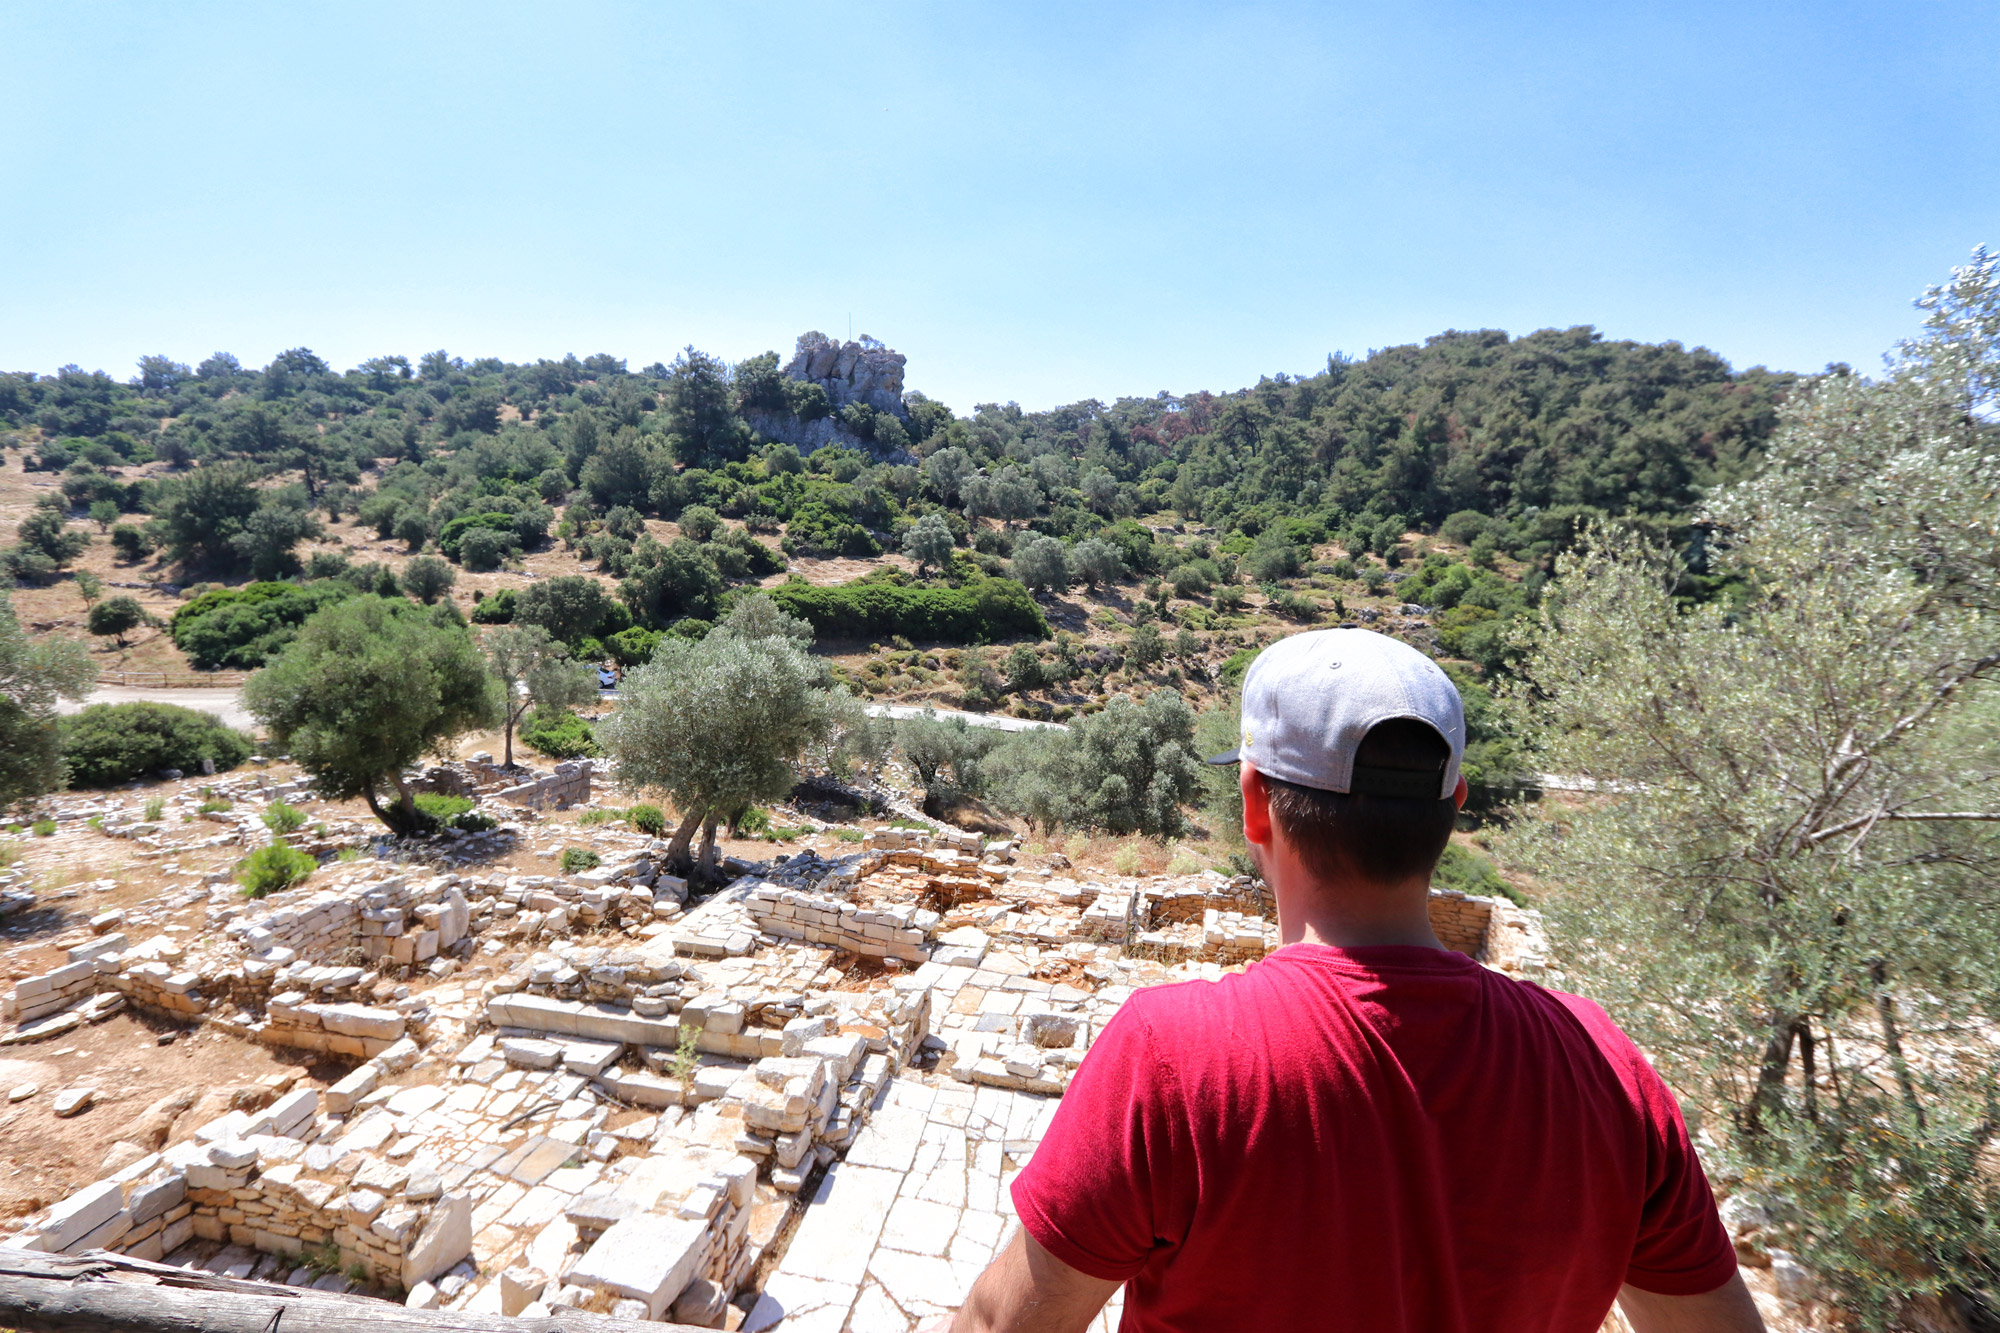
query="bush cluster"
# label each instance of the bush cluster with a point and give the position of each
(980, 612)
(454, 812)
(242, 628)
(559, 735)
(107, 744)
(272, 868)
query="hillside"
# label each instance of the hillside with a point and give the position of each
(1423, 489)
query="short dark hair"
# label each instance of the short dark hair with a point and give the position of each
(1365, 835)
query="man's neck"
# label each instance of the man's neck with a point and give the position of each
(1345, 933)
(1352, 916)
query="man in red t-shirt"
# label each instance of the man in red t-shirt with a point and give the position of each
(1364, 1131)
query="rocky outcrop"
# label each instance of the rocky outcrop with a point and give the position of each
(853, 372)
(864, 373)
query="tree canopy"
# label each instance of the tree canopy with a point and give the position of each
(367, 689)
(1787, 875)
(719, 724)
(34, 674)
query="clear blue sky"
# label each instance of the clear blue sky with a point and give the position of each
(1038, 202)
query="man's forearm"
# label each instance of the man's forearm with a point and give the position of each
(1727, 1309)
(1028, 1290)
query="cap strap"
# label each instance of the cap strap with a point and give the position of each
(1397, 782)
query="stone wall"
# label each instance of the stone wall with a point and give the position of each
(52, 992)
(1460, 921)
(884, 932)
(568, 785)
(281, 1181)
(292, 1020)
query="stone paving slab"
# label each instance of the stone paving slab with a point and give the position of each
(899, 1232)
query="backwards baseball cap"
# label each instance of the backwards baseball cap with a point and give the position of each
(1310, 699)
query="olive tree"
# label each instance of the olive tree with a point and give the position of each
(369, 687)
(534, 670)
(719, 724)
(117, 618)
(929, 542)
(1131, 768)
(428, 578)
(1042, 563)
(34, 674)
(1096, 562)
(1786, 880)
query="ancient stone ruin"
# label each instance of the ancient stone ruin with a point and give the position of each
(794, 1104)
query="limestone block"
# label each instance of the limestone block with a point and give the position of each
(702, 1303)
(445, 1239)
(80, 1214)
(107, 1236)
(530, 1052)
(589, 1058)
(151, 1199)
(1049, 1030)
(843, 1052)
(342, 1096)
(645, 1258)
(520, 1287)
(357, 1020)
(641, 1089)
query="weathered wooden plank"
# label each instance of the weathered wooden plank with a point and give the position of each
(114, 1293)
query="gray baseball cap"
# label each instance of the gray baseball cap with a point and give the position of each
(1308, 700)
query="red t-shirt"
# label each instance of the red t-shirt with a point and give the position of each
(1381, 1140)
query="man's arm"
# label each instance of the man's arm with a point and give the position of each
(1727, 1309)
(1028, 1290)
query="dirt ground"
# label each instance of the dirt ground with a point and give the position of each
(134, 1062)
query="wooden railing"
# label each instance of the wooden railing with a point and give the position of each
(101, 1292)
(175, 680)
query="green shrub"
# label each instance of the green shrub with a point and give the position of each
(483, 549)
(272, 868)
(632, 647)
(559, 736)
(575, 860)
(755, 820)
(452, 812)
(1469, 872)
(980, 612)
(43, 828)
(647, 819)
(107, 744)
(155, 807)
(495, 610)
(243, 628)
(214, 805)
(454, 531)
(591, 818)
(282, 818)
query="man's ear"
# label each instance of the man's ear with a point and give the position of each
(1460, 792)
(1256, 805)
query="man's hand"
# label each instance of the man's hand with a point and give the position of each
(1028, 1290)
(1727, 1309)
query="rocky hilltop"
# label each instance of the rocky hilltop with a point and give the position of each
(865, 372)
(852, 374)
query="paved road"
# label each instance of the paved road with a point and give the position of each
(226, 704)
(996, 721)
